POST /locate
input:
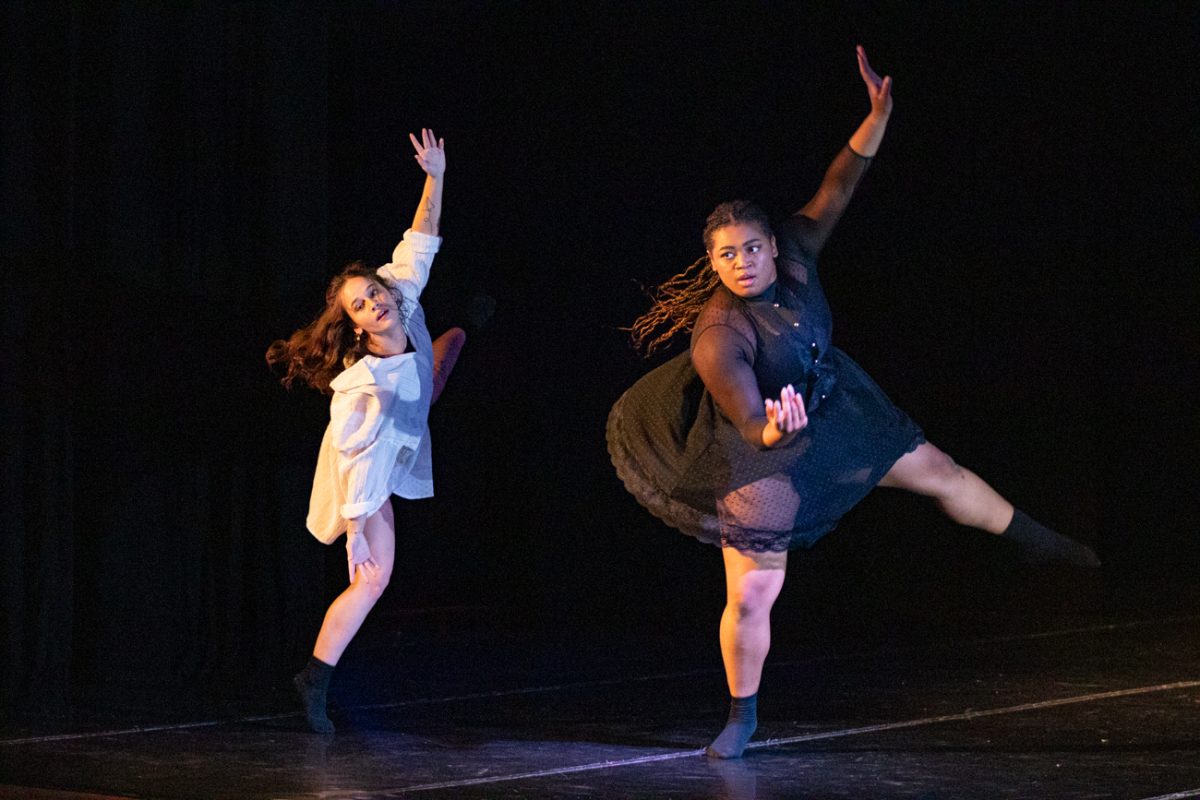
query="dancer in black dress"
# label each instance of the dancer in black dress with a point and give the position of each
(763, 435)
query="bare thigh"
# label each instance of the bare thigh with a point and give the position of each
(380, 530)
(753, 580)
(926, 471)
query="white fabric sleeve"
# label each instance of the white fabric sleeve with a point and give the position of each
(365, 475)
(411, 260)
(365, 460)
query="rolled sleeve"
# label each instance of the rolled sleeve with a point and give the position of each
(365, 478)
(411, 261)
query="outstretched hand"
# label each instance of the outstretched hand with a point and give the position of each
(431, 153)
(878, 89)
(787, 413)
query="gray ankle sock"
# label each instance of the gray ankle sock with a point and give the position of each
(743, 719)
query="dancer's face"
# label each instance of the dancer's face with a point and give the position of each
(369, 305)
(744, 258)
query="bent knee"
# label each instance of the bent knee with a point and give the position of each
(375, 587)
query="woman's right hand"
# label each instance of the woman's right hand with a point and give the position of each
(358, 553)
(785, 416)
(878, 89)
(431, 153)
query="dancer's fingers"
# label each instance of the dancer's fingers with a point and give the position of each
(785, 404)
(798, 412)
(864, 67)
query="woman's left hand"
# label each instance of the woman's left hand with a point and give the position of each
(358, 554)
(431, 153)
(785, 417)
(879, 89)
(787, 413)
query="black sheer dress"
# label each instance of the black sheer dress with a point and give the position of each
(686, 438)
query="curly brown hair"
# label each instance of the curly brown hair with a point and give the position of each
(678, 301)
(321, 350)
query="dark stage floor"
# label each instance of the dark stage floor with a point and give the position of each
(1013, 704)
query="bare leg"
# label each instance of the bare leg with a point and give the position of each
(346, 614)
(960, 493)
(344, 618)
(752, 583)
(445, 354)
(966, 499)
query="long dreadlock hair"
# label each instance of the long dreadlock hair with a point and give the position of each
(679, 299)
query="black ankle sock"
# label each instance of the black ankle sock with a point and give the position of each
(311, 683)
(1037, 544)
(479, 310)
(743, 719)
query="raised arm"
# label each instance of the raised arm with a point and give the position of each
(431, 155)
(413, 256)
(867, 138)
(813, 223)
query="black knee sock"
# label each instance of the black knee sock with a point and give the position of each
(1037, 544)
(743, 719)
(312, 682)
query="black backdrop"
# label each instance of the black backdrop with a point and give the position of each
(1018, 271)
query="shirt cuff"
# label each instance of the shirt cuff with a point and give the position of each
(365, 508)
(422, 242)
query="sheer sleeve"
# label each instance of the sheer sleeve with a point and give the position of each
(724, 359)
(810, 227)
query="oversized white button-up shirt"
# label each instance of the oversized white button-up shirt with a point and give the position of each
(377, 440)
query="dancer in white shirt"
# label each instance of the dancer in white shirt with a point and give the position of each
(371, 350)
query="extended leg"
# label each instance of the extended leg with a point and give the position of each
(968, 500)
(445, 354)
